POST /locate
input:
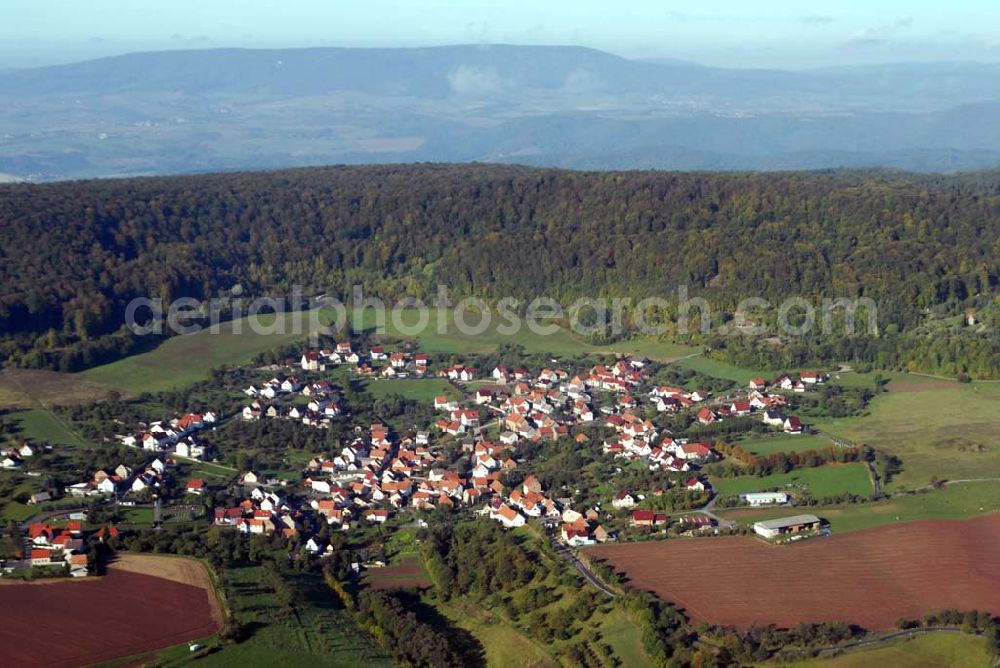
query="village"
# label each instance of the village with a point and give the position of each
(383, 474)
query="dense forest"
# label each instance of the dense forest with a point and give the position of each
(75, 253)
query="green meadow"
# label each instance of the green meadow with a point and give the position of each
(317, 633)
(956, 501)
(40, 425)
(822, 481)
(418, 389)
(771, 444)
(948, 430)
(182, 360)
(928, 650)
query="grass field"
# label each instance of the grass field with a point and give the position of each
(946, 429)
(31, 388)
(768, 445)
(42, 426)
(867, 379)
(625, 639)
(316, 633)
(711, 367)
(930, 650)
(953, 502)
(182, 360)
(424, 389)
(822, 481)
(437, 338)
(505, 646)
(18, 512)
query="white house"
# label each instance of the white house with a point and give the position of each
(508, 517)
(623, 500)
(310, 361)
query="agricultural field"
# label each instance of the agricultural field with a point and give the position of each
(771, 444)
(41, 425)
(854, 578)
(821, 482)
(318, 632)
(138, 613)
(182, 360)
(954, 501)
(927, 650)
(22, 389)
(938, 428)
(406, 571)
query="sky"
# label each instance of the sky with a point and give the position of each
(787, 34)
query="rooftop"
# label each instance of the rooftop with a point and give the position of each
(783, 522)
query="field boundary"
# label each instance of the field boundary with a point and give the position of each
(146, 564)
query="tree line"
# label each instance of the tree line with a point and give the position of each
(75, 254)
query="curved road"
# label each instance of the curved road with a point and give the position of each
(567, 554)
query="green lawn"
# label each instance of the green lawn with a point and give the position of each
(423, 389)
(717, 369)
(929, 650)
(822, 481)
(958, 501)
(182, 360)
(18, 512)
(42, 425)
(949, 430)
(768, 445)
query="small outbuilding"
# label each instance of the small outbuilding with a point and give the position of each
(797, 524)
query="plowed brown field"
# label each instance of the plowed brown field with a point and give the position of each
(75, 623)
(870, 577)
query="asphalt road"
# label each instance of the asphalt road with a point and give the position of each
(567, 554)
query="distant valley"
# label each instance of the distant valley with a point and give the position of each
(230, 109)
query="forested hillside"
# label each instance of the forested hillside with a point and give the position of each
(74, 253)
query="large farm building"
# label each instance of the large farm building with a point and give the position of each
(796, 524)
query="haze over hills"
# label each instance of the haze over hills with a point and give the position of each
(220, 109)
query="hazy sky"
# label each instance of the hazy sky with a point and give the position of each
(745, 33)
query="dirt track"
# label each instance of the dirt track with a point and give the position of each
(870, 577)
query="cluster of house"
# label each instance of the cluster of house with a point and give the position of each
(528, 500)
(177, 436)
(367, 481)
(14, 458)
(57, 546)
(671, 399)
(262, 512)
(637, 439)
(538, 407)
(322, 405)
(769, 405)
(691, 522)
(122, 480)
(396, 364)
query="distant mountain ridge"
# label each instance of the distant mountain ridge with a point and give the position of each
(203, 110)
